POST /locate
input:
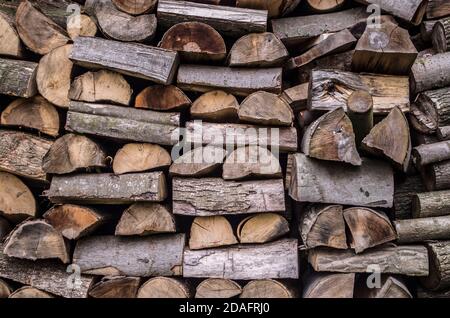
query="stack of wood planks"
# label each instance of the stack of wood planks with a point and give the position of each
(219, 149)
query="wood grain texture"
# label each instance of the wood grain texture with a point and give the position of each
(17, 201)
(411, 11)
(438, 9)
(429, 204)
(218, 288)
(329, 285)
(116, 287)
(18, 78)
(431, 153)
(10, 41)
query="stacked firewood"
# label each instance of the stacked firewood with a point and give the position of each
(224, 149)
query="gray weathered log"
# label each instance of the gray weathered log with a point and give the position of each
(108, 188)
(130, 256)
(429, 204)
(439, 255)
(123, 123)
(436, 176)
(18, 78)
(137, 60)
(273, 260)
(423, 229)
(215, 196)
(430, 72)
(411, 11)
(426, 154)
(405, 189)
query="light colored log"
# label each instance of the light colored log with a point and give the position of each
(198, 162)
(164, 287)
(11, 45)
(430, 204)
(216, 106)
(262, 228)
(116, 287)
(140, 157)
(423, 229)
(436, 176)
(267, 288)
(162, 98)
(218, 288)
(296, 96)
(211, 231)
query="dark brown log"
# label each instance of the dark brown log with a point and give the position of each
(390, 287)
(134, 59)
(258, 50)
(405, 189)
(135, 7)
(215, 196)
(323, 225)
(81, 25)
(443, 132)
(123, 123)
(368, 228)
(108, 188)
(17, 201)
(430, 72)
(411, 260)
(325, 6)
(391, 138)
(237, 81)
(360, 112)
(441, 35)
(439, 277)
(296, 96)
(39, 33)
(331, 137)
(18, 78)
(423, 229)
(262, 228)
(130, 256)
(198, 162)
(216, 106)
(437, 176)
(431, 153)
(165, 287)
(34, 113)
(5, 289)
(228, 21)
(72, 153)
(211, 231)
(10, 40)
(22, 154)
(437, 9)
(411, 11)
(162, 98)
(274, 7)
(196, 42)
(35, 240)
(218, 288)
(145, 219)
(101, 86)
(267, 288)
(278, 260)
(431, 110)
(140, 157)
(75, 221)
(116, 287)
(430, 204)
(329, 285)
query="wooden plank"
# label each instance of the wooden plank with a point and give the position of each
(18, 78)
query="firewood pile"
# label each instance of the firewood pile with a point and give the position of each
(218, 148)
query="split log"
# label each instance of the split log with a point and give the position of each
(38, 32)
(443, 132)
(335, 43)
(130, 256)
(10, 40)
(74, 221)
(146, 62)
(432, 110)
(325, 6)
(164, 287)
(5, 229)
(360, 112)
(391, 138)
(267, 288)
(258, 50)
(17, 201)
(437, 9)
(30, 292)
(22, 154)
(35, 240)
(431, 153)
(370, 185)
(145, 219)
(265, 108)
(135, 7)
(368, 228)
(431, 204)
(123, 123)
(323, 225)
(216, 106)
(430, 72)
(275, 8)
(262, 228)
(390, 287)
(196, 42)
(329, 285)
(237, 81)
(227, 20)
(331, 137)
(411, 11)
(437, 176)
(35, 113)
(18, 78)
(330, 89)
(5, 289)
(101, 86)
(121, 26)
(439, 262)
(54, 75)
(106, 188)
(411, 260)
(140, 157)
(250, 162)
(116, 287)
(72, 153)
(296, 96)
(215, 196)
(238, 134)
(218, 288)
(273, 260)
(162, 98)
(81, 25)
(211, 231)
(198, 162)
(441, 35)
(295, 30)
(423, 229)
(385, 49)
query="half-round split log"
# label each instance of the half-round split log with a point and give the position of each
(325, 6)
(164, 287)
(196, 42)
(10, 45)
(262, 228)
(199, 162)
(216, 106)
(140, 157)
(71, 153)
(17, 201)
(145, 219)
(35, 112)
(329, 285)
(5, 289)
(135, 7)
(35, 240)
(81, 25)
(274, 7)
(218, 288)
(390, 287)
(360, 112)
(258, 50)
(116, 287)
(439, 258)
(441, 35)
(162, 98)
(431, 153)
(211, 231)
(411, 11)
(429, 204)
(268, 288)
(423, 229)
(30, 292)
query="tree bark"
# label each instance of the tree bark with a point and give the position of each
(430, 72)
(218, 288)
(430, 204)
(18, 78)
(11, 45)
(431, 153)
(116, 287)
(18, 202)
(439, 277)
(274, 7)
(199, 162)
(5, 289)
(432, 110)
